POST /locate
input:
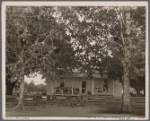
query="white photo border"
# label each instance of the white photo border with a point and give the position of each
(70, 3)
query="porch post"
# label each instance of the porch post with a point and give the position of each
(92, 86)
(72, 85)
(49, 87)
(52, 87)
(80, 86)
(113, 87)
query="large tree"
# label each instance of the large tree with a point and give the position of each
(31, 32)
(111, 38)
(132, 33)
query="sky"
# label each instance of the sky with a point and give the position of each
(37, 79)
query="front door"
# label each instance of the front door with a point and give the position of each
(83, 87)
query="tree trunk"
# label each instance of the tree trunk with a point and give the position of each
(20, 105)
(9, 85)
(126, 105)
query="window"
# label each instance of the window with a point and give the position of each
(84, 87)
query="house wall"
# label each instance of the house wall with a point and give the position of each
(68, 82)
(93, 86)
(50, 85)
(77, 83)
(98, 87)
(73, 83)
(117, 88)
(89, 86)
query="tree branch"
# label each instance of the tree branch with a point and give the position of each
(121, 26)
(27, 61)
(116, 43)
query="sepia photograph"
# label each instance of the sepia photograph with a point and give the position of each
(75, 60)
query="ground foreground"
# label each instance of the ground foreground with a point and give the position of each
(88, 110)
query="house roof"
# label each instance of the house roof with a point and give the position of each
(78, 74)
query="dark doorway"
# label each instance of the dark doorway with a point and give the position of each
(84, 87)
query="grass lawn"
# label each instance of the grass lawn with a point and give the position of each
(65, 110)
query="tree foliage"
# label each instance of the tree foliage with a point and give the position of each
(41, 37)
